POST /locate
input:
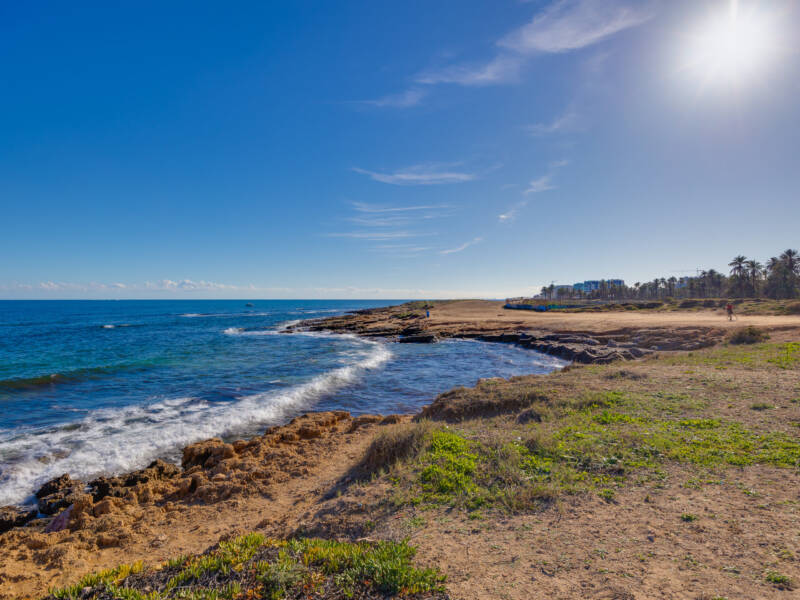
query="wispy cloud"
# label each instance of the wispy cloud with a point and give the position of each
(573, 24)
(564, 26)
(382, 208)
(463, 246)
(541, 184)
(419, 175)
(405, 99)
(378, 236)
(511, 213)
(501, 69)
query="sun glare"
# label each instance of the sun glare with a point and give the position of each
(731, 48)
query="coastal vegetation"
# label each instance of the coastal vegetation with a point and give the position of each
(571, 441)
(777, 278)
(253, 566)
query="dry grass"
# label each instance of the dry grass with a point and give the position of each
(393, 444)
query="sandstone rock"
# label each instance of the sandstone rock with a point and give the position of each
(62, 482)
(362, 420)
(207, 453)
(391, 419)
(307, 432)
(56, 494)
(14, 516)
(117, 487)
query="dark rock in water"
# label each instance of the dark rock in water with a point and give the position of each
(249, 304)
(14, 516)
(423, 338)
(117, 486)
(58, 484)
(412, 330)
(57, 494)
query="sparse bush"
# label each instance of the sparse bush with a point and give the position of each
(394, 444)
(793, 308)
(783, 582)
(761, 406)
(748, 335)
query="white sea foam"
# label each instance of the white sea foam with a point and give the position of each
(284, 326)
(218, 315)
(256, 332)
(109, 326)
(111, 441)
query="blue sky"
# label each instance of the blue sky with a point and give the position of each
(390, 149)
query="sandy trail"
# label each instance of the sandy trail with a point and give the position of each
(485, 311)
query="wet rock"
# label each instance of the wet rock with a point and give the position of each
(55, 485)
(422, 338)
(14, 516)
(117, 487)
(57, 494)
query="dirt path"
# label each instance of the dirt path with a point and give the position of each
(485, 311)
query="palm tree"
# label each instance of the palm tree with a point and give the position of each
(792, 259)
(738, 272)
(738, 263)
(754, 268)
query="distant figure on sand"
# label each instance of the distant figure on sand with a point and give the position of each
(427, 314)
(729, 310)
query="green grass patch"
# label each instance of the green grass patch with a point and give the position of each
(268, 568)
(778, 580)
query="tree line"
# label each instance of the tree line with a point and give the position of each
(778, 278)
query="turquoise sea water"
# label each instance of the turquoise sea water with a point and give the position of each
(102, 387)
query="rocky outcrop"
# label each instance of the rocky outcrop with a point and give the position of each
(106, 512)
(400, 324)
(118, 487)
(14, 516)
(57, 494)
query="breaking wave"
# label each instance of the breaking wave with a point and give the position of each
(109, 441)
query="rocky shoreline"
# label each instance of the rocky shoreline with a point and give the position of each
(405, 324)
(211, 471)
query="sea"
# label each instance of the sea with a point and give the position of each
(95, 388)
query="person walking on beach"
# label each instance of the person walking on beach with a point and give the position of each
(729, 310)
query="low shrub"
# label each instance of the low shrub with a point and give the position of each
(793, 308)
(748, 335)
(395, 443)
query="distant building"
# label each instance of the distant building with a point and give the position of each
(592, 285)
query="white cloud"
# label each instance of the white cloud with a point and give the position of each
(573, 24)
(501, 69)
(378, 208)
(462, 246)
(564, 26)
(541, 184)
(419, 175)
(511, 213)
(406, 99)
